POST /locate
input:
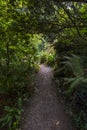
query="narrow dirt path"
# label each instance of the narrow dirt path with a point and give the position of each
(45, 111)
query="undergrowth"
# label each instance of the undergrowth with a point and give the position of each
(13, 90)
(71, 78)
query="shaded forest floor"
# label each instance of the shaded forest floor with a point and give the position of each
(45, 110)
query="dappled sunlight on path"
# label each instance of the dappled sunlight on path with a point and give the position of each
(45, 111)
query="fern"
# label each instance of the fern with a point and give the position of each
(75, 83)
(74, 64)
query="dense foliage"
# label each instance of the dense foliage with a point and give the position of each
(26, 29)
(70, 72)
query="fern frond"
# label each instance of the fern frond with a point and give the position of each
(75, 83)
(74, 64)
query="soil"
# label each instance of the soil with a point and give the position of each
(45, 110)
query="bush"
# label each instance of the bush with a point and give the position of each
(73, 83)
(48, 58)
(12, 115)
(17, 86)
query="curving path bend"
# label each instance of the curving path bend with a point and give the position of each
(45, 110)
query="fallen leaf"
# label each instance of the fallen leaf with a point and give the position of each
(57, 123)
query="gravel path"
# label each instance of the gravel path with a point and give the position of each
(45, 110)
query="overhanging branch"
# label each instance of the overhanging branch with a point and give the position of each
(73, 21)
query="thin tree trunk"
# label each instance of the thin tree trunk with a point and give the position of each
(7, 64)
(7, 58)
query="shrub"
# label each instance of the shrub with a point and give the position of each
(73, 80)
(12, 115)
